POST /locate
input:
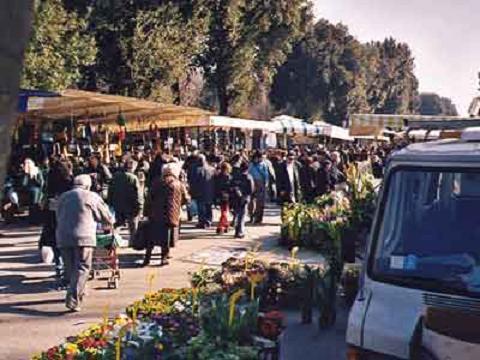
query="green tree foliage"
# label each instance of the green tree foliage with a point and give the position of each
(247, 41)
(238, 56)
(164, 45)
(59, 48)
(433, 104)
(392, 87)
(330, 75)
(323, 77)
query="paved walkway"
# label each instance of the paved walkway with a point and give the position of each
(33, 315)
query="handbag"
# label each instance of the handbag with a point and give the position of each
(47, 254)
(140, 239)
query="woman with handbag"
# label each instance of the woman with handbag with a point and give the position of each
(59, 180)
(163, 209)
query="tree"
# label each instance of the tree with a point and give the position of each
(433, 104)
(392, 87)
(323, 77)
(59, 48)
(247, 42)
(15, 21)
(274, 27)
(164, 46)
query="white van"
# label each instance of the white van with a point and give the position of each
(423, 254)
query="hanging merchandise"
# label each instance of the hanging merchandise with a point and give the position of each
(121, 120)
(88, 132)
(118, 151)
(80, 132)
(122, 134)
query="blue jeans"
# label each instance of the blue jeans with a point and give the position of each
(205, 214)
(192, 208)
(240, 219)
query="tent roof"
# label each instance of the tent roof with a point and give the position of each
(246, 124)
(96, 108)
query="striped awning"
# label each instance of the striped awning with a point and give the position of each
(376, 124)
(290, 125)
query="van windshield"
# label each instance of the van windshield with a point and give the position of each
(429, 234)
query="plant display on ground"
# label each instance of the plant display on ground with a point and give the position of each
(313, 225)
(178, 324)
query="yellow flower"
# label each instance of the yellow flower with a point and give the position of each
(121, 320)
(294, 252)
(233, 300)
(71, 348)
(160, 346)
(92, 351)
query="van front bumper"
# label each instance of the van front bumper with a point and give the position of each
(356, 353)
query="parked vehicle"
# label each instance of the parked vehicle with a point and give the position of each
(423, 256)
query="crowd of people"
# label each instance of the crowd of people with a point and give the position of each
(146, 191)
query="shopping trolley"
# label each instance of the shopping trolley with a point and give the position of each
(105, 263)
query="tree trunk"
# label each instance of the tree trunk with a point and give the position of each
(223, 100)
(15, 19)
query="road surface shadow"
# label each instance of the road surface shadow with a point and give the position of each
(26, 308)
(21, 284)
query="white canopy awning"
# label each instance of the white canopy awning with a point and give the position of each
(333, 131)
(229, 122)
(289, 124)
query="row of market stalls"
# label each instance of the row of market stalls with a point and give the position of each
(76, 119)
(415, 127)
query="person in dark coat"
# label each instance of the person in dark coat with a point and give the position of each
(59, 181)
(202, 191)
(223, 182)
(242, 190)
(324, 180)
(288, 181)
(190, 165)
(163, 209)
(310, 169)
(125, 195)
(100, 175)
(156, 169)
(377, 167)
(236, 164)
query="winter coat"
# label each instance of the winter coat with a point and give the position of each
(286, 190)
(324, 181)
(78, 212)
(223, 184)
(164, 202)
(125, 194)
(101, 177)
(59, 180)
(242, 189)
(202, 184)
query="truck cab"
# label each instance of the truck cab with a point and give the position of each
(424, 247)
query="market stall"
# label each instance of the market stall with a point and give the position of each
(297, 131)
(334, 132)
(243, 133)
(376, 125)
(75, 121)
(108, 123)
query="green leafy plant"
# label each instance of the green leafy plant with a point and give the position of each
(202, 348)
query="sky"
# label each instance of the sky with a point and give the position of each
(444, 36)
